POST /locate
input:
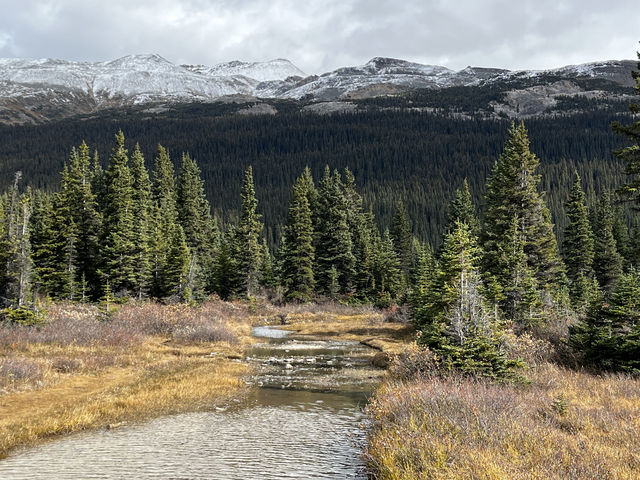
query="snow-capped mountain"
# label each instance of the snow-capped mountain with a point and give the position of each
(278, 69)
(33, 91)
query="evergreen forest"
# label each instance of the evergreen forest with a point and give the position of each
(370, 226)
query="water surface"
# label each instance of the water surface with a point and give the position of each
(302, 421)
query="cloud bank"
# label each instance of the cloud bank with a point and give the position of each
(322, 35)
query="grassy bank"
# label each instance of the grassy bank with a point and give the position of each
(564, 424)
(83, 369)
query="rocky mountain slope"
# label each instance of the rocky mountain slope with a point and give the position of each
(37, 91)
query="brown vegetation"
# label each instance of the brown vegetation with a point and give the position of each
(563, 424)
(85, 369)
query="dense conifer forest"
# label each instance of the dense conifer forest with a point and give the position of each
(116, 230)
(419, 158)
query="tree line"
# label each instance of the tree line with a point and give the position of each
(124, 232)
(418, 158)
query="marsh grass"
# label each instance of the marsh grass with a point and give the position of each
(83, 369)
(564, 424)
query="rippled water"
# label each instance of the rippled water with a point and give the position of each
(294, 431)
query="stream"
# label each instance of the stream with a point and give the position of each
(303, 420)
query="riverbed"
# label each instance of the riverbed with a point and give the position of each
(303, 419)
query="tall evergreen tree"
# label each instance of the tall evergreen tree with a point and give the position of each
(17, 289)
(142, 222)
(388, 268)
(194, 215)
(578, 246)
(164, 221)
(333, 245)
(512, 192)
(298, 253)
(607, 262)
(118, 251)
(247, 251)
(177, 268)
(630, 155)
(53, 241)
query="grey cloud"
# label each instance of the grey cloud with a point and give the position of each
(323, 35)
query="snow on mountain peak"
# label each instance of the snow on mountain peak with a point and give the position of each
(277, 69)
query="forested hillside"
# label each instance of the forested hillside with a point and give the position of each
(394, 153)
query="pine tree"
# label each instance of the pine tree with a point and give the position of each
(458, 324)
(512, 192)
(333, 245)
(267, 270)
(50, 242)
(621, 234)
(177, 267)
(462, 210)
(247, 251)
(194, 215)
(297, 253)
(578, 246)
(630, 155)
(607, 262)
(17, 289)
(118, 251)
(142, 222)
(609, 335)
(225, 273)
(164, 220)
(521, 298)
(422, 276)
(388, 269)
(359, 227)
(402, 238)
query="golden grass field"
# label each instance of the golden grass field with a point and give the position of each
(564, 424)
(91, 375)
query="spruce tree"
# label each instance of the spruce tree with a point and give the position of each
(462, 210)
(17, 289)
(297, 253)
(358, 223)
(402, 239)
(388, 268)
(142, 222)
(512, 192)
(118, 251)
(630, 155)
(52, 248)
(177, 267)
(458, 323)
(194, 215)
(578, 245)
(225, 272)
(247, 251)
(164, 220)
(333, 245)
(609, 335)
(607, 262)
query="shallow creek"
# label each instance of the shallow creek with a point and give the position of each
(302, 421)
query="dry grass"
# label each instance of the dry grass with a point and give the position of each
(564, 425)
(82, 369)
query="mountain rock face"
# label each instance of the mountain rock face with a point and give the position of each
(36, 91)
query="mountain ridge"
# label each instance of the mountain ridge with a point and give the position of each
(41, 90)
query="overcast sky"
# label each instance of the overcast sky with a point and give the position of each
(321, 35)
